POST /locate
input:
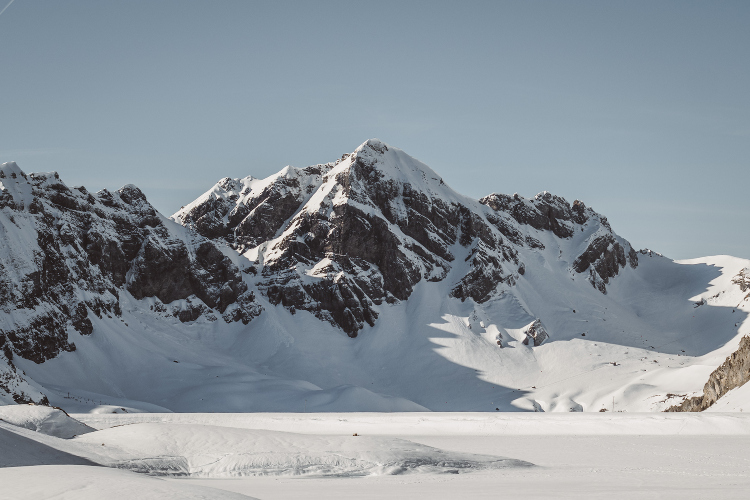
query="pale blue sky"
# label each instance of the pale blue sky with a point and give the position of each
(640, 109)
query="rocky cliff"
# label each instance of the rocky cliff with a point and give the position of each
(733, 373)
(67, 255)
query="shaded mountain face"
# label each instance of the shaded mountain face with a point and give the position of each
(341, 239)
(67, 255)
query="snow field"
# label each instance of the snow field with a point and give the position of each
(420, 456)
(454, 423)
(77, 482)
(211, 450)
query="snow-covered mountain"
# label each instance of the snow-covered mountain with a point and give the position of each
(362, 284)
(68, 255)
(341, 239)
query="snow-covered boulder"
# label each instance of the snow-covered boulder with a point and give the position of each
(536, 333)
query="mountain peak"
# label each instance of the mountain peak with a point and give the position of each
(374, 144)
(11, 169)
(376, 158)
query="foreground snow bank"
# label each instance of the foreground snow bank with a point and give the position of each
(212, 451)
(18, 448)
(94, 483)
(50, 421)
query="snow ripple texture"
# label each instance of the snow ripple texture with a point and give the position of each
(210, 451)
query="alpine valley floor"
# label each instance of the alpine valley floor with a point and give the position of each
(416, 455)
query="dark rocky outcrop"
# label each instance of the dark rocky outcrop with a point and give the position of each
(384, 236)
(245, 217)
(733, 373)
(742, 279)
(69, 255)
(14, 384)
(545, 212)
(603, 259)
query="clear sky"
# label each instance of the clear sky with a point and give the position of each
(640, 109)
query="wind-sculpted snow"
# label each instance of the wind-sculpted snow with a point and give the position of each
(50, 421)
(84, 482)
(598, 455)
(211, 451)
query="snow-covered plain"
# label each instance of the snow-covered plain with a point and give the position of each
(418, 455)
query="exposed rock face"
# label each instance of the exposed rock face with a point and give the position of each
(247, 212)
(342, 238)
(545, 212)
(605, 253)
(367, 228)
(14, 385)
(603, 258)
(733, 373)
(536, 333)
(650, 253)
(742, 279)
(338, 240)
(67, 255)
